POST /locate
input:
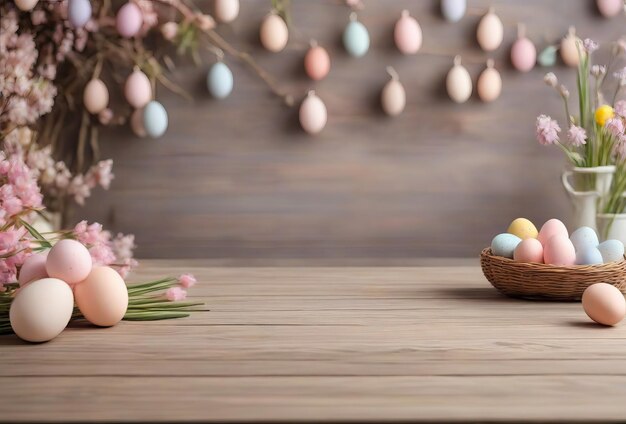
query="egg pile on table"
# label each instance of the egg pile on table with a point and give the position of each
(553, 245)
(51, 282)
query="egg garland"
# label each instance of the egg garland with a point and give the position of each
(313, 114)
(155, 119)
(459, 82)
(610, 8)
(95, 96)
(490, 31)
(489, 85)
(407, 34)
(316, 62)
(356, 38)
(393, 96)
(523, 52)
(453, 10)
(274, 33)
(26, 5)
(570, 46)
(129, 20)
(79, 12)
(137, 89)
(226, 11)
(220, 80)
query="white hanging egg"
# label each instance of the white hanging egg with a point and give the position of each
(317, 62)
(226, 10)
(79, 12)
(25, 5)
(407, 34)
(356, 38)
(523, 52)
(313, 114)
(220, 80)
(95, 96)
(459, 82)
(155, 119)
(393, 96)
(490, 31)
(129, 20)
(137, 89)
(274, 33)
(610, 8)
(489, 85)
(453, 10)
(569, 48)
(136, 123)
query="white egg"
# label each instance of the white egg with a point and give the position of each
(96, 96)
(611, 250)
(226, 10)
(453, 10)
(393, 96)
(489, 85)
(459, 82)
(313, 114)
(274, 33)
(570, 45)
(490, 31)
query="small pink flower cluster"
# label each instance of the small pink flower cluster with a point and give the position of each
(547, 130)
(616, 126)
(116, 252)
(185, 281)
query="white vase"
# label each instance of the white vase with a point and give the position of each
(612, 226)
(595, 183)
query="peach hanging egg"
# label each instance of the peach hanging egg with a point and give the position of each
(274, 33)
(610, 8)
(551, 228)
(226, 10)
(137, 89)
(569, 48)
(316, 62)
(313, 114)
(407, 34)
(559, 251)
(393, 96)
(25, 5)
(489, 85)
(95, 96)
(529, 250)
(102, 297)
(128, 20)
(459, 82)
(490, 31)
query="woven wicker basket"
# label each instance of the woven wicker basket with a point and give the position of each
(548, 282)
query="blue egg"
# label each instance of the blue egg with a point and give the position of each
(589, 255)
(547, 57)
(504, 245)
(584, 237)
(356, 39)
(611, 250)
(79, 12)
(155, 119)
(453, 10)
(219, 81)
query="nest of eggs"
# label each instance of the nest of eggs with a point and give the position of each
(548, 282)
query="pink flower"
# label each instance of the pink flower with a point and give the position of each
(547, 130)
(576, 136)
(105, 116)
(175, 293)
(589, 45)
(169, 30)
(620, 108)
(187, 280)
(9, 239)
(615, 126)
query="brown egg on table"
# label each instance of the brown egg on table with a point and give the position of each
(489, 85)
(604, 304)
(102, 297)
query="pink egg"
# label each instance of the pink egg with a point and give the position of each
(523, 54)
(529, 250)
(610, 8)
(70, 261)
(317, 63)
(551, 228)
(559, 251)
(33, 268)
(128, 20)
(137, 89)
(407, 34)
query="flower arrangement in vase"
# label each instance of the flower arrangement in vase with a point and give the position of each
(595, 144)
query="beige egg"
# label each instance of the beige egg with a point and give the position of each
(95, 96)
(569, 48)
(226, 10)
(490, 31)
(41, 310)
(393, 96)
(102, 297)
(274, 33)
(604, 303)
(459, 82)
(137, 89)
(489, 85)
(26, 5)
(136, 123)
(610, 8)
(313, 114)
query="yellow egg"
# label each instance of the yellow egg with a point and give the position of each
(603, 114)
(523, 228)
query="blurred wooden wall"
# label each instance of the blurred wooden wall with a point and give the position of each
(238, 178)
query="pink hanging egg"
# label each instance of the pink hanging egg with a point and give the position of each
(317, 63)
(523, 54)
(407, 34)
(128, 20)
(137, 89)
(610, 8)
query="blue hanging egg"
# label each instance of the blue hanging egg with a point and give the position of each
(548, 56)
(155, 119)
(219, 81)
(453, 10)
(79, 12)
(356, 39)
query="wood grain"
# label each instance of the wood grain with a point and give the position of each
(310, 344)
(238, 178)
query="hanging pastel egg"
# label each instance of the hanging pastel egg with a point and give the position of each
(79, 12)
(316, 62)
(26, 5)
(407, 34)
(490, 31)
(610, 8)
(95, 96)
(569, 48)
(489, 85)
(548, 56)
(136, 123)
(459, 82)
(219, 80)
(393, 96)
(313, 113)
(523, 52)
(453, 10)
(137, 89)
(226, 10)
(155, 119)
(274, 33)
(356, 39)
(128, 20)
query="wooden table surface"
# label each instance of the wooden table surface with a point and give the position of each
(422, 343)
